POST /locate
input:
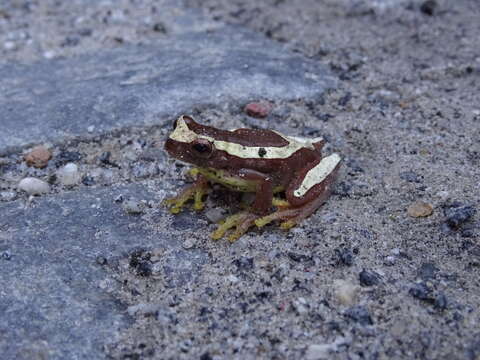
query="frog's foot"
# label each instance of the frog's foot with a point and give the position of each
(241, 221)
(194, 192)
(290, 216)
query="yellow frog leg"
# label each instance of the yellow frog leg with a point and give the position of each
(292, 216)
(194, 192)
(280, 203)
(241, 221)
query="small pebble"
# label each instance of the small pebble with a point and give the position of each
(214, 215)
(88, 181)
(428, 7)
(38, 157)
(34, 186)
(359, 314)
(104, 158)
(410, 176)
(69, 174)
(456, 215)
(90, 129)
(440, 302)
(345, 292)
(368, 278)
(49, 54)
(344, 256)
(427, 271)
(258, 110)
(133, 207)
(390, 260)
(9, 45)
(101, 260)
(420, 209)
(65, 157)
(188, 243)
(421, 291)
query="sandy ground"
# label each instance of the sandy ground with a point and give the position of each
(361, 279)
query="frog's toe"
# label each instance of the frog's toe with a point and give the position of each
(198, 203)
(286, 225)
(277, 215)
(241, 221)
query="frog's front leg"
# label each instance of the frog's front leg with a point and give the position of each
(194, 192)
(263, 190)
(311, 188)
(243, 220)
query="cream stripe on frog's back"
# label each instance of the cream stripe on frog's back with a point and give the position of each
(317, 174)
(183, 134)
(266, 152)
(261, 152)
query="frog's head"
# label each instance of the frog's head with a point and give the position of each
(192, 142)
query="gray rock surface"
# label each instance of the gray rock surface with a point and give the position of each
(56, 299)
(136, 85)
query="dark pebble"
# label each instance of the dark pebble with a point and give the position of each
(344, 100)
(368, 278)
(299, 257)
(325, 117)
(427, 271)
(209, 291)
(344, 256)
(6, 255)
(206, 356)
(342, 189)
(140, 261)
(243, 263)
(85, 32)
(421, 291)
(101, 260)
(440, 302)
(468, 232)
(65, 157)
(359, 314)
(410, 176)
(70, 41)
(88, 181)
(159, 27)
(457, 214)
(104, 158)
(428, 7)
(355, 166)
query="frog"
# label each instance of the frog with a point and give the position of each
(288, 176)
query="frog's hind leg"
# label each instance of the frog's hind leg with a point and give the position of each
(308, 195)
(241, 221)
(292, 216)
(194, 192)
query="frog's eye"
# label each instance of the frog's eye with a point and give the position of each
(202, 147)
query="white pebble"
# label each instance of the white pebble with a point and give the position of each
(91, 128)
(49, 54)
(9, 45)
(69, 174)
(133, 207)
(188, 243)
(34, 186)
